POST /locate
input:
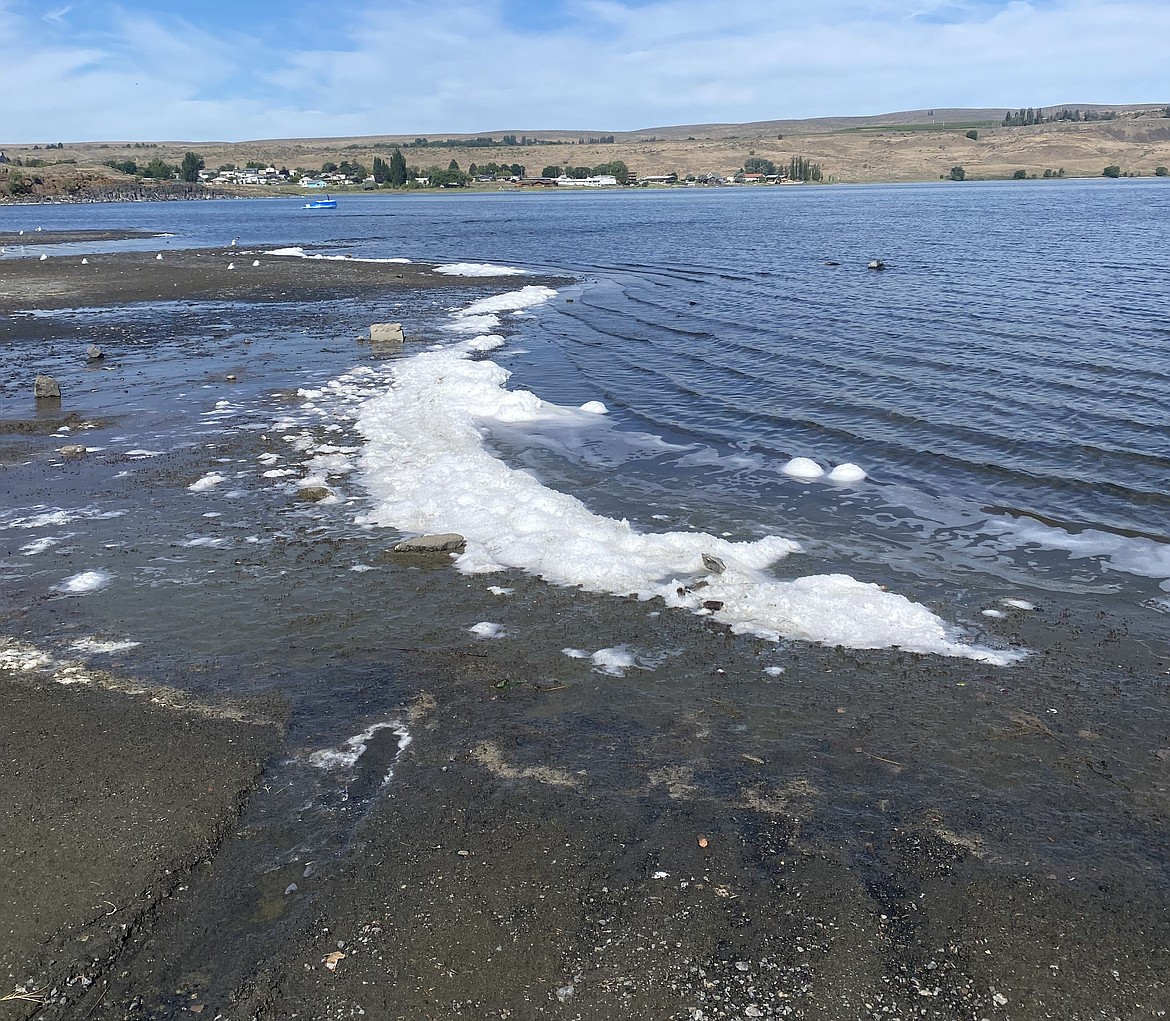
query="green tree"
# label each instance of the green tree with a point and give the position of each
(973, 135)
(958, 174)
(381, 171)
(552, 171)
(190, 167)
(159, 170)
(758, 165)
(1020, 175)
(615, 168)
(397, 176)
(1111, 171)
(453, 166)
(1161, 171)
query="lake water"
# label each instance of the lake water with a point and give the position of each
(1003, 386)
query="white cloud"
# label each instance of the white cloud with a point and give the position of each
(456, 66)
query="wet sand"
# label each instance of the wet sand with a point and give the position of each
(63, 281)
(560, 850)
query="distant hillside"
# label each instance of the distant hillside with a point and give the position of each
(910, 145)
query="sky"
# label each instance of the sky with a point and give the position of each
(233, 70)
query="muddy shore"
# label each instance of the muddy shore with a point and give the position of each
(656, 868)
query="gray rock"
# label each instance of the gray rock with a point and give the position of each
(94, 353)
(877, 264)
(713, 564)
(46, 386)
(73, 450)
(445, 542)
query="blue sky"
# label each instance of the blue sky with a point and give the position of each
(73, 70)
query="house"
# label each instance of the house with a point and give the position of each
(600, 181)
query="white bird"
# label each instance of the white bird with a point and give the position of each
(38, 230)
(159, 256)
(85, 262)
(43, 256)
(255, 262)
(235, 241)
(231, 265)
(22, 232)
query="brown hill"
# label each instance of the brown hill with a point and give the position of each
(915, 145)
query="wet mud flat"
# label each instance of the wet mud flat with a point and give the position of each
(745, 830)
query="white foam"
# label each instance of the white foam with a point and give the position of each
(31, 549)
(96, 646)
(353, 748)
(615, 661)
(595, 408)
(209, 481)
(1018, 604)
(499, 590)
(56, 516)
(86, 581)
(847, 472)
(993, 613)
(206, 542)
(803, 468)
(1136, 555)
(300, 253)
(773, 671)
(487, 629)
(478, 269)
(428, 469)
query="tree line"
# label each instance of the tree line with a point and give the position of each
(1026, 116)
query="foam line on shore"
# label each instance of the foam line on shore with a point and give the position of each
(428, 469)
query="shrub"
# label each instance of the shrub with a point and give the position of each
(1019, 175)
(958, 174)
(973, 134)
(1161, 172)
(1111, 171)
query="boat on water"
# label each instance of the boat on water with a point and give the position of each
(325, 202)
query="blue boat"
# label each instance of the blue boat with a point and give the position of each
(322, 203)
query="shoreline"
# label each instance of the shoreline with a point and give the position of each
(913, 833)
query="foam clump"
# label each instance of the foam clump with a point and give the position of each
(477, 269)
(487, 629)
(848, 472)
(209, 481)
(86, 581)
(614, 662)
(803, 468)
(595, 408)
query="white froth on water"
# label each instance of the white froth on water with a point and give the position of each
(300, 253)
(44, 517)
(209, 481)
(428, 470)
(206, 542)
(353, 748)
(595, 408)
(1136, 555)
(803, 468)
(992, 613)
(487, 629)
(1019, 604)
(847, 472)
(478, 269)
(98, 646)
(86, 581)
(615, 661)
(499, 590)
(576, 653)
(31, 549)
(773, 671)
